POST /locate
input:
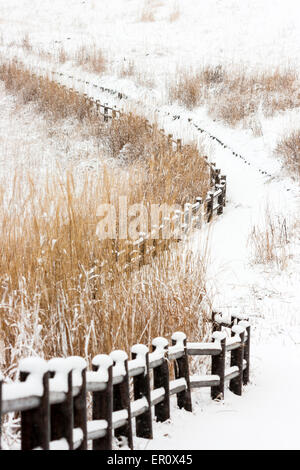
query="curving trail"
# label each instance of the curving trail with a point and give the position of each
(262, 418)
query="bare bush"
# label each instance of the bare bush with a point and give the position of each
(270, 241)
(288, 148)
(236, 96)
(91, 58)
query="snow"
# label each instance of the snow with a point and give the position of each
(33, 365)
(119, 358)
(251, 34)
(61, 366)
(160, 343)
(103, 362)
(179, 337)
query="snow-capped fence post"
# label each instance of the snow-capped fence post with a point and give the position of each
(121, 394)
(61, 414)
(181, 366)
(35, 423)
(161, 379)
(103, 401)
(237, 359)
(79, 401)
(210, 205)
(141, 387)
(218, 365)
(224, 182)
(246, 372)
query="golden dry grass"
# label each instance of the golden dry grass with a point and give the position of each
(62, 290)
(270, 241)
(288, 148)
(234, 96)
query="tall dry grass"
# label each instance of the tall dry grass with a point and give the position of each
(62, 290)
(288, 148)
(270, 241)
(234, 96)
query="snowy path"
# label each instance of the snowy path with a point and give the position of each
(263, 417)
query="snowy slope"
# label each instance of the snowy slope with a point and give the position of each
(257, 33)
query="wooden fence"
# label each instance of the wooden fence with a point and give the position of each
(52, 397)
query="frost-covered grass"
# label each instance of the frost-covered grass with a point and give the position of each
(61, 289)
(233, 96)
(288, 148)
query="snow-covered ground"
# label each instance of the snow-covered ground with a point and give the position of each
(256, 33)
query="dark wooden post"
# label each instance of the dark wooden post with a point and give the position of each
(103, 401)
(35, 423)
(217, 175)
(105, 114)
(61, 414)
(121, 396)
(181, 365)
(161, 379)
(141, 386)
(179, 145)
(237, 357)
(223, 181)
(218, 365)
(246, 373)
(79, 401)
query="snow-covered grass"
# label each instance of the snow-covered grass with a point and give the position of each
(257, 37)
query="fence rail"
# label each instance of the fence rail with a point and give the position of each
(52, 397)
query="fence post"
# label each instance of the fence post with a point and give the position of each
(181, 365)
(237, 357)
(179, 145)
(79, 366)
(246, 372)
(105, 114)
(161, 379)
(141, 384)
(121, 395)
(35, 423)
(218, 365)
(223, 181)
(103, 401)
(61, 414)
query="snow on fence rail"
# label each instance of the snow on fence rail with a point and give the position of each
(52, 396)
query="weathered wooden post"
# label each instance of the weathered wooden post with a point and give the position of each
(224, 182)
(237, 358)
(246, 373)
(141, 386)
(161, 379)
(103, 400)
(61, 414)
(79, 366)
(179, 145)
(105, 114)
(184, 399)
(121, 396)
(218, 365)
(35, 423)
